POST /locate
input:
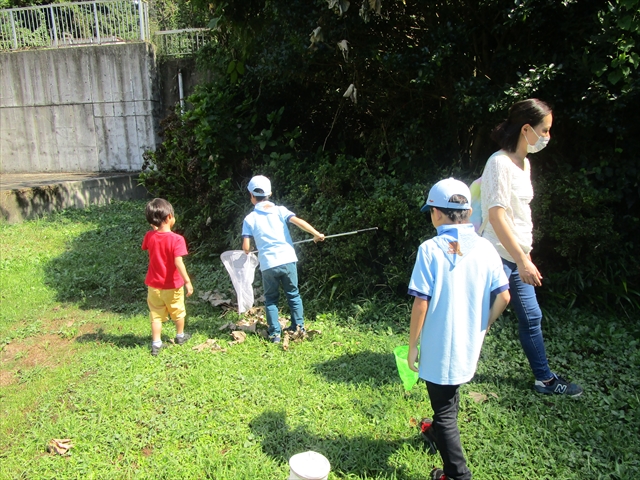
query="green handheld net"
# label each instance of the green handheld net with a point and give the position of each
(409, 377)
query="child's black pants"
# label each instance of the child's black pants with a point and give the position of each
(444, 401)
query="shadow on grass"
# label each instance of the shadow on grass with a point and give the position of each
(375, 369)
(127, 340)
(353, 455)
(516, 382)
(104, 267)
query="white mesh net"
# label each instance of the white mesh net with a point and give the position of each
(242, 270)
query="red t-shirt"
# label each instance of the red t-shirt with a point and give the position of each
(163, 248)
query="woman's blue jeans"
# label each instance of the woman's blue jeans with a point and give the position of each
(287, 276)
(525, 304)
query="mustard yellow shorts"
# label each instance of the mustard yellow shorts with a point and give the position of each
(163, 303)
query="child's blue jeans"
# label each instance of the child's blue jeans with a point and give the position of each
(287, 276)
(525, 305)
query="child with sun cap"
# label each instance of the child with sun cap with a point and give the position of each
(267, 224)
(459, 290)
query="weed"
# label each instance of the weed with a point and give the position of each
(67, 332)
(30, 375)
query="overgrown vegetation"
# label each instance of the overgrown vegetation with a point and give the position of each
(353, 112)
(75, 364)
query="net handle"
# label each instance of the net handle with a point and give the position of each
(338, 235)
(332, 236)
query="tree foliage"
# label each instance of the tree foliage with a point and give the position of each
(355, 108)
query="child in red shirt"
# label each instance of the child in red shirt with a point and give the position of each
(166, 274)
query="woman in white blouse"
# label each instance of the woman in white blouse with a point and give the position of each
(506, 194)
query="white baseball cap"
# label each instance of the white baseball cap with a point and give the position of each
(260, 186)
(442, 191)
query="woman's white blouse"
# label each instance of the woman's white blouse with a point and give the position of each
(506, 185)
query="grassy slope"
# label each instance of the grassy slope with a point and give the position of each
(75, 364)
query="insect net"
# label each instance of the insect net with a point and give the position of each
(242, 270)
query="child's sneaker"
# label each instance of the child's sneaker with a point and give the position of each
(275, 339)
(428, 435)
(558, 385)
(437, 474)
(183, 339)
(156, 349)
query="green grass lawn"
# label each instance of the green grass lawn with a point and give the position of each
(75, 364)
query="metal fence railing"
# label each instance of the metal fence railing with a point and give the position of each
(181, 43)
(78, 23)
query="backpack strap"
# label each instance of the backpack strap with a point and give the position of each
(481, 229)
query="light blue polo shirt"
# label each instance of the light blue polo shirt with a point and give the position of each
(458, 272)
(267, 224)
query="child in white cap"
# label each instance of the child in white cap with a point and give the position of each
(460, 289)
(267, 225)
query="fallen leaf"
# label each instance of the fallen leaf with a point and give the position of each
(238, 337)
(210, 345)
(59, 446)
(215, 298)
(313, 333)
(298, 335)
(493, 395)
(199, 348)
(248, 328)
(478, 397)
(413, 422)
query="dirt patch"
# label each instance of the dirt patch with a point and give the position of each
(49, 350)
(40, 350)
(6, 378)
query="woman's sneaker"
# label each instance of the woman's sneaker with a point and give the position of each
(558, 386)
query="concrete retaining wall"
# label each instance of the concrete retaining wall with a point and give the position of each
(26, 203)
(80, 109)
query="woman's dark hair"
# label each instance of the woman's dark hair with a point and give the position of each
(531, 111)
(157, 211)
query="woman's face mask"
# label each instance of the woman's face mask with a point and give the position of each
(539, 145)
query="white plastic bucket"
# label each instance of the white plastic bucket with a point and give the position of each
(309, 466)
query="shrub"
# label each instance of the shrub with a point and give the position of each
(353, 120)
